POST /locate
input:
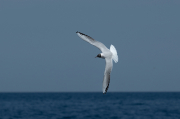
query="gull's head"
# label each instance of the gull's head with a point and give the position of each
(99, 55)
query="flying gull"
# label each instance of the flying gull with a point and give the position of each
(107, 54)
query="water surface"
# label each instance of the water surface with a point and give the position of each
(90, 105)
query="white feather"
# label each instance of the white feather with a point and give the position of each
(114, 52)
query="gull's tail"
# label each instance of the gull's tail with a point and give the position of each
(114, 52)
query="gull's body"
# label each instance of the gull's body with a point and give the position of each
(107, 54)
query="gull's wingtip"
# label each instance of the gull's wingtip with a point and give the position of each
(77, 32)
(104, 91)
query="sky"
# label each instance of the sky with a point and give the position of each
(41, 52)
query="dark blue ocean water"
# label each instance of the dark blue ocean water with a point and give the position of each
(90, 105)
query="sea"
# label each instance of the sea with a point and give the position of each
(90, 105)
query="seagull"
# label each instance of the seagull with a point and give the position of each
(107, 54)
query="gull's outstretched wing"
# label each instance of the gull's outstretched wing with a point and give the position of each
(90, 40)
(107, 72)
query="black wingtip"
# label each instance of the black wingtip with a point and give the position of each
(77, 32)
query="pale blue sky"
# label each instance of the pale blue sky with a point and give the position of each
(41, 52)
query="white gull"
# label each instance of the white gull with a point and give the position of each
(107, 54)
